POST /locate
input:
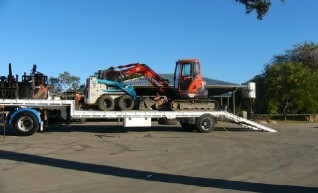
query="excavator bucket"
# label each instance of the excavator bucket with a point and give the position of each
(110, 74)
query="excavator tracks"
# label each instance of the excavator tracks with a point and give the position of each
(194, 104)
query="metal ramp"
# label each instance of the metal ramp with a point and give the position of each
(244, 122)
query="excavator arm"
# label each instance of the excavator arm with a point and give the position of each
(134, 68)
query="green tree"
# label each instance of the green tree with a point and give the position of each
(290, 88)
(53, 85)
(64, 82)
(306, 53)
(260, 6)
(285, 88)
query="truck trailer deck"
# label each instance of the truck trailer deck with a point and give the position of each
(25, 116)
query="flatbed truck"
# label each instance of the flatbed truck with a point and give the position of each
(28, 115)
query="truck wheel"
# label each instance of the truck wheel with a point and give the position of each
(205, 123)
(25, 124)
(106, 103)
(126, 103)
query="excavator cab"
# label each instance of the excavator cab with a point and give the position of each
(188, 81)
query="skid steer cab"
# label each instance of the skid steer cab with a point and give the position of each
(109, 95)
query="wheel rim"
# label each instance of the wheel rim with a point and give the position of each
(25, 124)
(206, 124)
(107, 103)
(127, 103)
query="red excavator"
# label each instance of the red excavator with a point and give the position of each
(188, 92)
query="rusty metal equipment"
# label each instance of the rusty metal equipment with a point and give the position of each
(31, 86)
(9, 88)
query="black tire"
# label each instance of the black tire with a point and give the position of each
(25, 124)
(165, 121)
(205, 123)
(126, 102)
(106, 103)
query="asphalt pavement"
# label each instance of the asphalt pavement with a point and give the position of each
(106, 157)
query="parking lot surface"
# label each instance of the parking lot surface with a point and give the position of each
(106, 157)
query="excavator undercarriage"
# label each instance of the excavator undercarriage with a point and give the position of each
(164, 104)
(193, 104)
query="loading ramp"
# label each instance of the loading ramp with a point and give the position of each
(245, 122)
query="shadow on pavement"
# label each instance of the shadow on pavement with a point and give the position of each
(153, 176)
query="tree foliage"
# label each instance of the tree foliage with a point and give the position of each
(260, 6)
(306, 53)
(291, 88)
(64, 82)
(289, 84)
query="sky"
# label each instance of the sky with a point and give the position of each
(84, 36)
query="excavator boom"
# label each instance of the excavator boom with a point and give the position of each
(138, 68)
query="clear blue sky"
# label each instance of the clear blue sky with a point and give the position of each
(83, 36)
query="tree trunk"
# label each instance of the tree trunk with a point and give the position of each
(285, 112)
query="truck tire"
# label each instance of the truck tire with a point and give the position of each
(106, 103)
(126, 102)
(205, 123)
(25, 124)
